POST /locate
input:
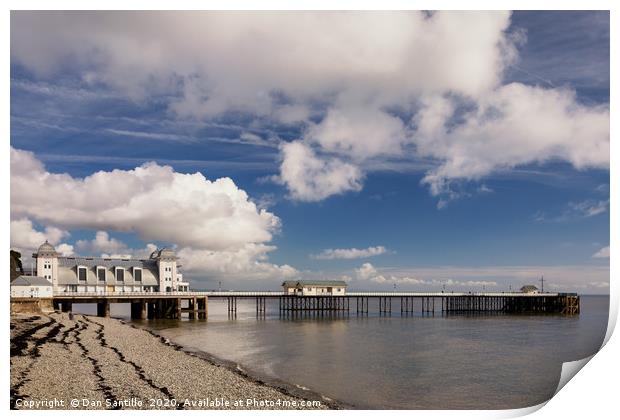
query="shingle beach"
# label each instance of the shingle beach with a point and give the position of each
(101, 363)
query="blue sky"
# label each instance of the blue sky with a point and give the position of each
(492, 222)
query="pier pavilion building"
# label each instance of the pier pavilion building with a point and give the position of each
(315, 288)
(158, 273)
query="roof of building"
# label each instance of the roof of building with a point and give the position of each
(67, 273)
(46, 249)
(303, 283)
(31, 281)
(529, 287)
(164, 253)
(105, 262)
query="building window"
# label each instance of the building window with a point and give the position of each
(81, 272)
(120, 275)
(101, 274)
(137, 275)
(72, 288)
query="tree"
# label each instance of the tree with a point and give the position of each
(16, 265)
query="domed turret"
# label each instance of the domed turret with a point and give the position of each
(164, 253)
(46, 249)
(167, 253)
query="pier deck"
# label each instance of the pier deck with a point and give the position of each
(158, 305)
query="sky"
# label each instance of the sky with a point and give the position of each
(463, 151)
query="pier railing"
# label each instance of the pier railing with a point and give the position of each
(276, 294)
(104, 294)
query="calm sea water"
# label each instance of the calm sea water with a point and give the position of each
(408, 362)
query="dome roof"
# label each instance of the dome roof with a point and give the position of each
(163, 253)
(167, 253)
(46, 248)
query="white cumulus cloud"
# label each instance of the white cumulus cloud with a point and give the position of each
(311, 178)
(27, 239)
(154, 201)
(246, 263)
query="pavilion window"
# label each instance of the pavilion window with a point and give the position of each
(101, 274)
(120, 275)
(81, 274)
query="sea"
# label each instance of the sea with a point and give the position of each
(408, 361)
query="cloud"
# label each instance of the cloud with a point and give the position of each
(24, 235)
(65, 249)
(358, 132)
(151, 136)
(602, 253)
(215, 226)
(27, 239)
(511, 126)
(375, 52)
(366, 271)
(107, 247)
(370, 273)
(365, 87)
(310, 178)
(576, 210)
(589, 208)
(239, 265)
(154, 201)
(349, 253)
(492, 278)
(101, 243)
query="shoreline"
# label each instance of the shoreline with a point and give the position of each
(288, 388)
(84, 362)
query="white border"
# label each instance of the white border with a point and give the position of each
(591, 394)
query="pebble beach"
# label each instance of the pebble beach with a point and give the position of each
(68, 362)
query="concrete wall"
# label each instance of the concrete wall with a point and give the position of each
(29, 305)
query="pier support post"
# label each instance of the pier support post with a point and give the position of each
(203, 310)
(103, 309)
(138, 309)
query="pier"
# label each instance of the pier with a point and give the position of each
(173, 305)
(147, 305)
